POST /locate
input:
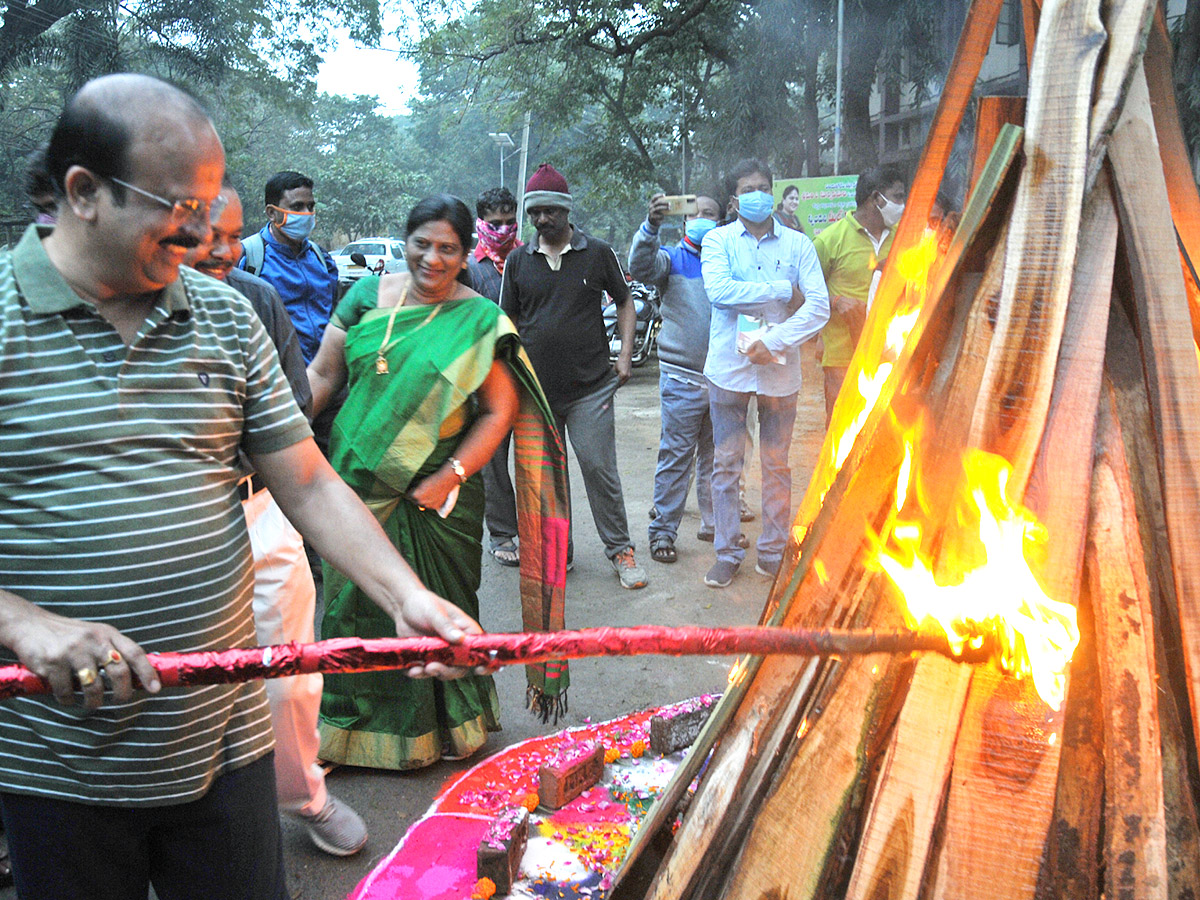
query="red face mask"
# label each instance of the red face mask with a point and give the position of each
(496, 242)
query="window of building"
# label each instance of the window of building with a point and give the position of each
(1008, 26)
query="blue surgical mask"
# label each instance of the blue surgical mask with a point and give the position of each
(755, 206)
(696, 229)
(296, 225)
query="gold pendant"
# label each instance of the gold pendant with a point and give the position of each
(381, 367)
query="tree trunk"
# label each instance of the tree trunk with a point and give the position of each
(861, 53)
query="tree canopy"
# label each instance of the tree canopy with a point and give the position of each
(626, 96)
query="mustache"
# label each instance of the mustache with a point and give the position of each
(183, 240)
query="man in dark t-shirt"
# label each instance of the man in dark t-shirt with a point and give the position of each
(553, 289)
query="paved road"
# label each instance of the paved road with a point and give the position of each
(600, 689)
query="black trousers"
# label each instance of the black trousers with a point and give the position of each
(225, 846)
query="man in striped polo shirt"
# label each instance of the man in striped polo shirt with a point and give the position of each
(127, 388)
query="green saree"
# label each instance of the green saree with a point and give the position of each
(394, 429)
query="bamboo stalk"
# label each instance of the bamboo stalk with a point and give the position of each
(992, 114)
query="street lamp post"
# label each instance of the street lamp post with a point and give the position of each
(503, 142)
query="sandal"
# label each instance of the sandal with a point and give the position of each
(662, 549)
(507, 554)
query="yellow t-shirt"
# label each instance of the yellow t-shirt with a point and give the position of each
(848, 260)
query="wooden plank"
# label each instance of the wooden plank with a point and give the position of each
(1126, 23)
(1172, 150)
(866, 503)
(1135, 821)
(1030, 12)
(1179, 800)
(818, 570)
(992, 839)
(900, 823)
(1044, 233)
(1056, 490)
(991, 114)
(818, 793)
(1064, 464)
(1126, 374)
(1071, 861)
(1169, 357)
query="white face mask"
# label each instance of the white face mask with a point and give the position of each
(890, 212)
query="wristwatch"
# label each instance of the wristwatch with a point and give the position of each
(458, 470)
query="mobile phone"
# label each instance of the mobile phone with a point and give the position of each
(681, 204)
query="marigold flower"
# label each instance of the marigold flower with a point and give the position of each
(485, 889)
(530, 802)
(638, 748)
(611, 755)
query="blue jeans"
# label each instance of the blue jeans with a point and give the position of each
(686, 436)
(227, 844)
(776, 417)
(590, 425)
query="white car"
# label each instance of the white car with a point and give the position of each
(381, 254)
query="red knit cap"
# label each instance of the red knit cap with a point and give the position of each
(547, 178)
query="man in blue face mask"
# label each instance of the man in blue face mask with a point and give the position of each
(306, 278)
(768, 296)
(304, 275)
(682, 348)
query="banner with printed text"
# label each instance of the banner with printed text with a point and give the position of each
(823, 200)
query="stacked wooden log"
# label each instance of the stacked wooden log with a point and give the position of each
(1058, 331)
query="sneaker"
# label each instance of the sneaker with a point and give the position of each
(631, 574)
(721, 574)
(336, 829)
(770, 568)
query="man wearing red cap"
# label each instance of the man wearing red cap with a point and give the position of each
(553, 288)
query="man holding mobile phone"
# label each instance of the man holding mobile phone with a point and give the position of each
(682, 349)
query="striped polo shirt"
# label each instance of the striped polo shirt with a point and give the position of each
(118, 504)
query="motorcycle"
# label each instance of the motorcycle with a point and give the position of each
(649, 321)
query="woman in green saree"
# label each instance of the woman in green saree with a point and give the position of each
(436, 377)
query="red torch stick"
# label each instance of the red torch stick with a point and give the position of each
(369, 655)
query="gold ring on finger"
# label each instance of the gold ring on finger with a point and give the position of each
(86, 676)
(113, 657)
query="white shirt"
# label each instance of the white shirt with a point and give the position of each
(747, 275)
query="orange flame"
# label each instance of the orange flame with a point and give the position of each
(992, 588)
(853, 409)
(737, 673)
(1001, 596)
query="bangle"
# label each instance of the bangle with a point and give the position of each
(458, 470)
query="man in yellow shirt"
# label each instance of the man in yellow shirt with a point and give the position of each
(851, 250)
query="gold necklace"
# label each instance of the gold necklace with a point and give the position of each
(381, 363)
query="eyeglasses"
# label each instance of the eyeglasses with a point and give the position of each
(184, 210)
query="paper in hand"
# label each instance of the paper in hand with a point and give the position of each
(451, 498)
